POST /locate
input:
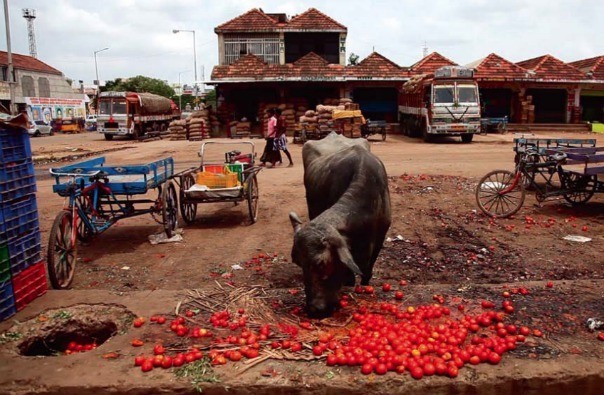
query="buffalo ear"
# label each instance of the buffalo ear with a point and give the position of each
(295, 220)
(347, 259)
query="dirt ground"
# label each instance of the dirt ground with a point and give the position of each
(439, 241)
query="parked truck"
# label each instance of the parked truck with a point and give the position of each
(443, 103)
(134, 114)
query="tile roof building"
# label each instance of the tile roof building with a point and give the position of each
(39, 87)
(267, 57)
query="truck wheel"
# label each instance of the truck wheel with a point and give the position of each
(428, 138)
(467, 138)
(108, 137)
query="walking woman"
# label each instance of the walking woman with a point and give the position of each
(269, 154)
(281, 138)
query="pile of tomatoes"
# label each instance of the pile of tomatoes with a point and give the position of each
(383, 337)
(423, 341)
(75, 347)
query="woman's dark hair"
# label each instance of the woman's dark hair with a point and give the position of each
(278, 111)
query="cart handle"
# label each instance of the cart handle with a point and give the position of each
(54, 173)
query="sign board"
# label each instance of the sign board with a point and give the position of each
(47, 108)
(453, 72)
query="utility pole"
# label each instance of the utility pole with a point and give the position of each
(11, 80)
(30, 14)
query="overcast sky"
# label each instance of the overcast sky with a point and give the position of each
(140, 39)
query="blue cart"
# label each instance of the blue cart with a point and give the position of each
(97, 196)
(499, 124)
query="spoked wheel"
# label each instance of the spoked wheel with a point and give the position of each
(188, 211)
(490, 198)
(581, 187)
(169, 207)
(84, 232)
(62, 251)
(252, 198)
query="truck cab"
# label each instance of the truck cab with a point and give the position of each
(112, 117)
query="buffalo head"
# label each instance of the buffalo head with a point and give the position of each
(324, 256)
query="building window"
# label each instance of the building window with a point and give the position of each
(43, 87)
(27, 84)
(264, 46)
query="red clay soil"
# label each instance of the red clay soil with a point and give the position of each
(440, 244)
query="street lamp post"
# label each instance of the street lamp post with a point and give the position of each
(98, 83)
(194, 50)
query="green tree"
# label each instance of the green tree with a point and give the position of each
(140, 83)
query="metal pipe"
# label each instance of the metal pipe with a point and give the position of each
(11, 80)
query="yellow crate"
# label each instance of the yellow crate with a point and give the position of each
(213, 180)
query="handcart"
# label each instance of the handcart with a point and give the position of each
(538, 148)
(568, 172)
(97, 196)
(499, 124)
(216, 181)
(374, 127)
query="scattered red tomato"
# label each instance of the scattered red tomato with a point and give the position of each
(537, 333)
(138, 322)
(381, 369)
(549, 284)
(295, 347)
(317, 350)
(178, 360)
(166, 363)
(139, 360)
(601, 336)
(158, 349)
(386, 287)
(147, 366)
(367, 369)
(399, 295)
(137, 343)
(235, 356)
(369, 289)
(417, 372)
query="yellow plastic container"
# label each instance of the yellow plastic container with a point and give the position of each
(214, 180)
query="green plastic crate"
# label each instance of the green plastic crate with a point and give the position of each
(4, 264)
(236, 168)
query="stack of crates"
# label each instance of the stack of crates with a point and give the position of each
(22, 270)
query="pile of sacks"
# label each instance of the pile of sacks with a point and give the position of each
(178, 130)
(197, 124)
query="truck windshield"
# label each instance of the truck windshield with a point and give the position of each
(105, 107)
(466, 94)
(119, 107)
(443, 94)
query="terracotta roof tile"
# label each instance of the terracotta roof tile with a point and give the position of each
(431, 63)
(547, 67)
(594, 66)
(313, 19)
(377, 65)
(311, 65)
(495, 67)
(253, 20)
(256, 20)
(25, 62)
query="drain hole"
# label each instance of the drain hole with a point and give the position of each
(57, 341)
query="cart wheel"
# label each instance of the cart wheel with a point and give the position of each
(581, 187)
(188, 211)
(490, 199)
(169, 208)
(84, 232)
(62, 251)
(252, 198)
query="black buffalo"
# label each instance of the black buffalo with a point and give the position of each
(349, 209)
